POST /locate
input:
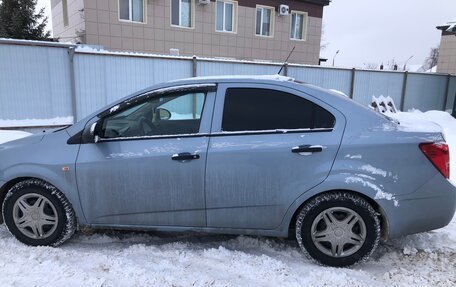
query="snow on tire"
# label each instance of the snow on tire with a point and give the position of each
(338, 229)
(37, 213)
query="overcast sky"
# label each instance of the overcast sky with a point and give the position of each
(47, 5)
(376, 31)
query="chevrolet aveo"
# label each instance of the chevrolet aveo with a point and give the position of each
(242, 155)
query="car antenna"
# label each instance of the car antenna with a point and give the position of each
(284, 63)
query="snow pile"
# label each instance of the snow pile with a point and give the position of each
(169, 259)
(6, 136)
(57, 121)
(414, 122)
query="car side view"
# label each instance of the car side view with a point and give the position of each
(257, 155)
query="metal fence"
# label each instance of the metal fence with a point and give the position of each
(40, 80)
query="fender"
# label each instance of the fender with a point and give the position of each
(361, 183)
(65, 181)
(57, 166)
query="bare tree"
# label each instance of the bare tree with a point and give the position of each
(432, 59)
(323, 44)
(80, 36)
(392, 65)
(371, 66)
(81, 33)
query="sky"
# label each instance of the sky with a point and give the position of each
(376, 31)
(46, 4)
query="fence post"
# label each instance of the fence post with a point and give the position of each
(447, 91)
(74, 109)
(404, 91)
(285, 69)
(194, 64)
(194, 72)
(352, 84)
(454, 106)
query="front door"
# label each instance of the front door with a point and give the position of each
(148, 167)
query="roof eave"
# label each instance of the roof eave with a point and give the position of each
(318, 2)
(443, 27)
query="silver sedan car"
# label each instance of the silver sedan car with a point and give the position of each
(251, 155)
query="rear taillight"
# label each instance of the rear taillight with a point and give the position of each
(439, 155)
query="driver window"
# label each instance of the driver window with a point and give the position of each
(172, 114)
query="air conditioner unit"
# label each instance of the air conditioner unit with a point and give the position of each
(204, 2)
(284, 10)
(174, 52)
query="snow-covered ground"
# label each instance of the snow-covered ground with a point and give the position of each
(168, 259)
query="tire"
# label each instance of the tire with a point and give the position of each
(38, 214)
(338, 229)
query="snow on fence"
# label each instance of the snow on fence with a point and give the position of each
(51, 81)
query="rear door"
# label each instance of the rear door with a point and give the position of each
(269, 144)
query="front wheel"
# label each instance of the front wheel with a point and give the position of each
(37, 213)
(338, 229)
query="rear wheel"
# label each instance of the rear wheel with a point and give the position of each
(338, 229)
(37, 213)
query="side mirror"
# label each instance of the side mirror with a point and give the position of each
(94, 132)
(163, 114)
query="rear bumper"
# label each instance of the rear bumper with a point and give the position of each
(430, 207)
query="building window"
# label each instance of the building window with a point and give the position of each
(182, 13)
(131, 10)
(298, 26)
(65, 13)
(226, 16)
(264, 21)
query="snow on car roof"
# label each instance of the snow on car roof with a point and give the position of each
(238, 77)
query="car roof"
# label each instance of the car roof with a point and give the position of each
(232, 78)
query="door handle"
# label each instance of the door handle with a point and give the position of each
(307, 149)
(185, 156)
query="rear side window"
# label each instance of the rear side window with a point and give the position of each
(250, 109)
